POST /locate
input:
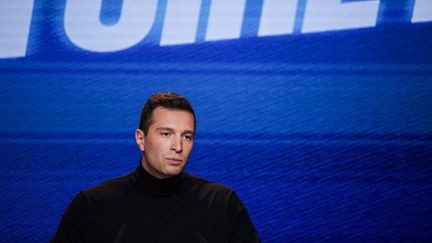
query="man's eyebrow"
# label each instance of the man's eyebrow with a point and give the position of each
(165, 128)
(188, 131)
(172, 130)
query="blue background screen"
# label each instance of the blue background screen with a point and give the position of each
(318, 113)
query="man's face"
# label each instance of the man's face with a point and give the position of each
(168, 143)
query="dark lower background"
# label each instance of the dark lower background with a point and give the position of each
(325, 136)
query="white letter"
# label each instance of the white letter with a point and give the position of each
(83, 26)
(323, 15)
(181, 22)
(277, 17)
(422, 11)
(15, 20)
(225, 20)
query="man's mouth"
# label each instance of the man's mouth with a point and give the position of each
(174, 161)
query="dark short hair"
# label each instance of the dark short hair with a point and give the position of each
(168, 100)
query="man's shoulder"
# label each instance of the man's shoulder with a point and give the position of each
(109, 187)
(205, 186)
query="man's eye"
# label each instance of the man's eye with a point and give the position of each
(188, 137)
(165, 134)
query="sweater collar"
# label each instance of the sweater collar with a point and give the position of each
(149, 183)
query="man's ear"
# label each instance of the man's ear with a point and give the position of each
(139, 138)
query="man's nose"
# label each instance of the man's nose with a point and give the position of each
(177, 145)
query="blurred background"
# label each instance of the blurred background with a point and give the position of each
(317, 112)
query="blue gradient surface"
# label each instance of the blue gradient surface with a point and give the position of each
(325, 136)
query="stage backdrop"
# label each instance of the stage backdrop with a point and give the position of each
(317, 112)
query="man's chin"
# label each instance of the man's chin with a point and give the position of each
(173, 171)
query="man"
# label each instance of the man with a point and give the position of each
(159, 202)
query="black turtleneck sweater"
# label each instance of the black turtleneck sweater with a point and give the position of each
(141, 208)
